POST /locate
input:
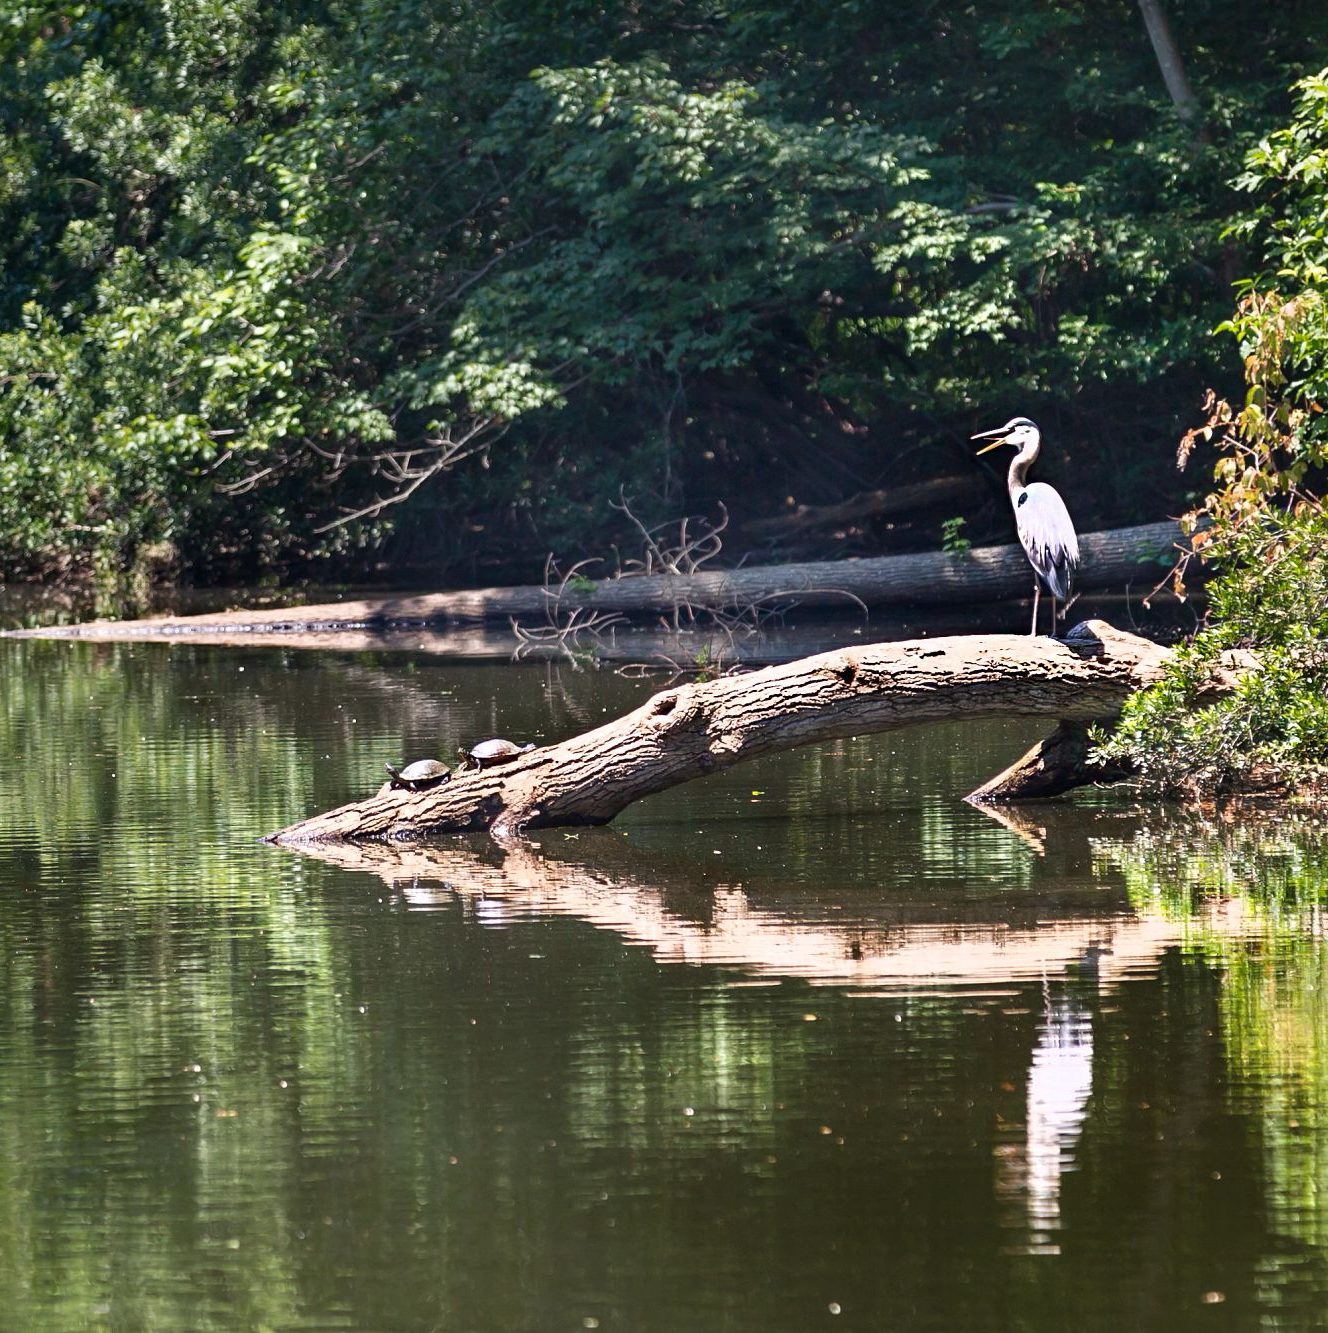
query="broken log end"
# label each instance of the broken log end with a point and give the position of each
(1057, 764)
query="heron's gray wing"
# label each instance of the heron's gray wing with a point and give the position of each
(1047, 536)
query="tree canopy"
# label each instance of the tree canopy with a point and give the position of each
(440, 279)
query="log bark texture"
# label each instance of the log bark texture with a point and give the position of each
(985, 574)
(691, 730)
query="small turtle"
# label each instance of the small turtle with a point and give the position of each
(419, 776)
(488, 753)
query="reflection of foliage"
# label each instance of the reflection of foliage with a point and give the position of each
(1254, 897)
(238, 1087)
(253, 1077)
(1274, 867)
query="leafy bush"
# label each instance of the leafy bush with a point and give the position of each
(1267, 533)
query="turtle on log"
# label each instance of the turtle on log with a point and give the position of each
(419, 776)
(488, 754)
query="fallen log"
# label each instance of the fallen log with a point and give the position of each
(691, 730)
(986, 574)
(870, 504)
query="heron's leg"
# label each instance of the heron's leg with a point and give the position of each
(1037, 592)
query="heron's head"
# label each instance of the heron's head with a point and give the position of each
(1018, 431)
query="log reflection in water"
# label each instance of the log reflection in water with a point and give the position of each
(684, 915)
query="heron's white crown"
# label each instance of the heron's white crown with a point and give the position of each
(1021, 432)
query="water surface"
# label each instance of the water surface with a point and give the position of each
(810, 1044)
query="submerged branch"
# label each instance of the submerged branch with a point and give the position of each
(1057, 764)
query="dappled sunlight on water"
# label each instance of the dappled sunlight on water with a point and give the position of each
(810, 1043)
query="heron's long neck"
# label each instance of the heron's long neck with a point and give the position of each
(1022, 461)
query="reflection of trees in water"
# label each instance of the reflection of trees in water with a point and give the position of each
(1249, 896)
(339, 1073)
(1274, 864)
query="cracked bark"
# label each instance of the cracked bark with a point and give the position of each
(691, 730)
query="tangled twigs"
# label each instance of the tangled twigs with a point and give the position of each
(577, 633)
(686, 555)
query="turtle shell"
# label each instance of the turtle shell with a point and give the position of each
(488, 753)
(418, 776)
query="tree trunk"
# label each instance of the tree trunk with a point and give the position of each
(1057, 764)
(986, 574)
(1172, 65)
(692, 730)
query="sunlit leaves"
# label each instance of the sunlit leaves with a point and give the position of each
(330, 235)
(679, 226)
(1268, 529)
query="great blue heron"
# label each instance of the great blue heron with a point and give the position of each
(1045, 530)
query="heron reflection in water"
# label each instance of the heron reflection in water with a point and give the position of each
(1045, 530)
(1029, 1173)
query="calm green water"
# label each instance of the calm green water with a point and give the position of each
(809, 1045)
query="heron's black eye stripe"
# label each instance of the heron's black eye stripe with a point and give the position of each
(1023, 498)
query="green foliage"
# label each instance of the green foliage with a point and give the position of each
(1272, 597)
(1268, 533)
(270, 270)
(953, 541)
(693, 221)
(167, 347)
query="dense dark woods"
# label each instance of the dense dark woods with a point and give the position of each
(425, 287)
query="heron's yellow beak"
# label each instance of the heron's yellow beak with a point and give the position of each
(987, 448)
